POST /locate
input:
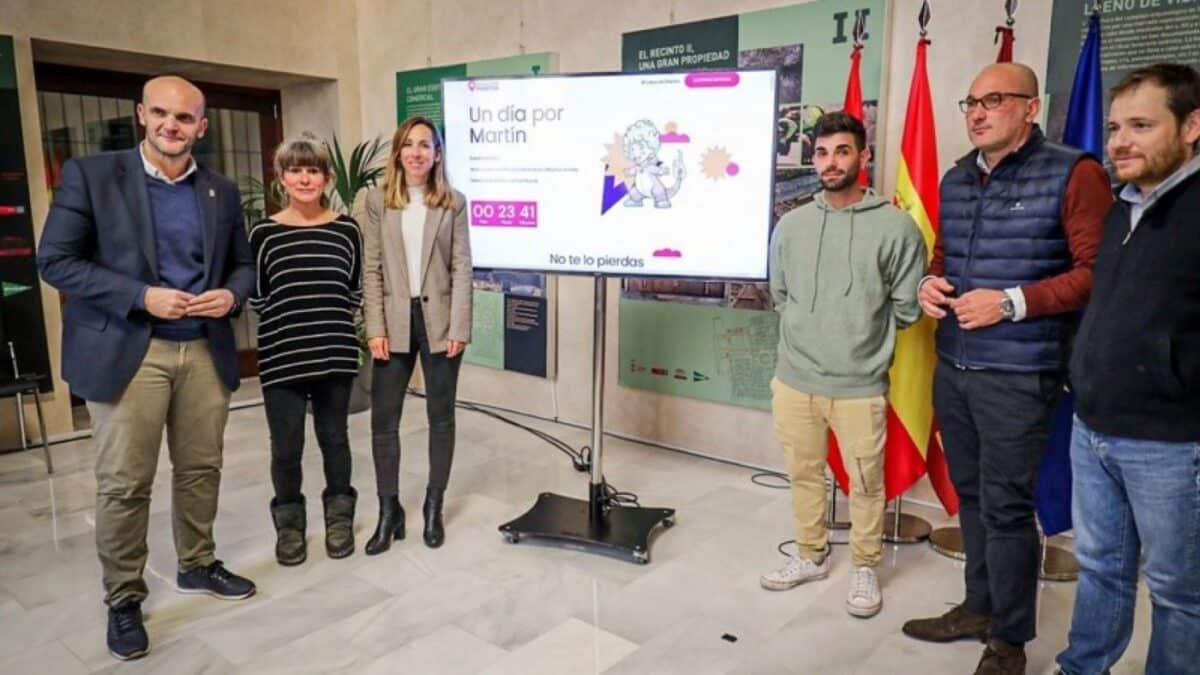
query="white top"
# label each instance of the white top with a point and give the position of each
(412, 229)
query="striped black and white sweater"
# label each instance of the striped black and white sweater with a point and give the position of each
(309, 285)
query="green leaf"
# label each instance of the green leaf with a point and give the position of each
(362, 169)
(253, 199)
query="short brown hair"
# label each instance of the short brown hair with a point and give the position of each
(304, 150)
(1181, 82)
(840, 122)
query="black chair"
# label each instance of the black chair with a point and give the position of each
(16, 384)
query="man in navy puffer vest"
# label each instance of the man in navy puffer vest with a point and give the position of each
(1012, 266)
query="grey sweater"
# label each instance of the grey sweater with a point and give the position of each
(843, 281)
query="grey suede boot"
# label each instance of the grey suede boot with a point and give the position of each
(339, 523)
(291, 546)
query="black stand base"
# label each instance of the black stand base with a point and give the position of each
(622, 531)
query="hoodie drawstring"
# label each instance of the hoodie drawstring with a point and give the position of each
(850, 255)
(817, 268)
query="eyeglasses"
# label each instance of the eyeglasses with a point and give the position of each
(989, 101)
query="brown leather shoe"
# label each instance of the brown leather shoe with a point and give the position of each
(1001, 658)
(956, 624)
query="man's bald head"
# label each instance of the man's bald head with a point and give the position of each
(177, 87)
(1001, 109)
(1017, 78)
(172, 110)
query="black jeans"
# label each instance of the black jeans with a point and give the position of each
(995, 426)
(285, 406)
(388, 385)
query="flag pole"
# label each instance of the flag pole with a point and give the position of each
(906, 528)
(1083, 130)
(831, 506)
(1055, 563)
(948, 540)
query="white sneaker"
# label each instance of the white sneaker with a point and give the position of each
(795, 572)
(864, 599)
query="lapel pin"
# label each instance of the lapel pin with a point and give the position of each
(212, 192)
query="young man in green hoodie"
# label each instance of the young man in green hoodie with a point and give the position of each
(844, 274)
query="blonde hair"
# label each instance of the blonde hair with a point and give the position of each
(304, 150)
(437, 189)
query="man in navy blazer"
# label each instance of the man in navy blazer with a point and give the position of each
(151, 252)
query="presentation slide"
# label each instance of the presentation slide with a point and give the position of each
(666, 174)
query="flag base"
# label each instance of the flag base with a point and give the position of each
(904, 528)
(1058, 564)
(949, 542)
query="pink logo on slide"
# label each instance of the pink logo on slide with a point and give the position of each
(668, 253)
(711, 79)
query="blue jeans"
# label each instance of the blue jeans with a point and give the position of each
(1134, 497)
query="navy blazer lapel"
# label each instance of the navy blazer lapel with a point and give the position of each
(206, 195)
(137, 198)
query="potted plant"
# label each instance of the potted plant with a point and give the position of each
(362, 169)
(255, 196)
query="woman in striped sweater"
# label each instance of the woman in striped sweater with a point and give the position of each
(309, 266)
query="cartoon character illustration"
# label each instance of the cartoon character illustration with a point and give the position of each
(642, 143)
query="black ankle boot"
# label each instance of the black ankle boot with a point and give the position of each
(391, 526)
(434, 533)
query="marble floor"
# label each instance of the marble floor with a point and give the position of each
(478, 604)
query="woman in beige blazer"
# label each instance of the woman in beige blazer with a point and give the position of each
(417, 301)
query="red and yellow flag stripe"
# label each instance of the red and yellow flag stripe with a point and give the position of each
(912, 370)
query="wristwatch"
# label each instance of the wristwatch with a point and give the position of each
(1007, 309)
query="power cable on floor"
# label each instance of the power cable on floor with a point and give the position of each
(762, 477)
(581, 459)
(768, 479)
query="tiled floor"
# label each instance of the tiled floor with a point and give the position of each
(478, 604)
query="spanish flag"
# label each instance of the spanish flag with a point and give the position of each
(910, 410)
(913, 441)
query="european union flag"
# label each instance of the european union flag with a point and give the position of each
(1085, 113)
(1084, 130)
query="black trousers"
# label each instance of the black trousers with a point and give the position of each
(388, 386)
(285, 405)
(995, 426)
